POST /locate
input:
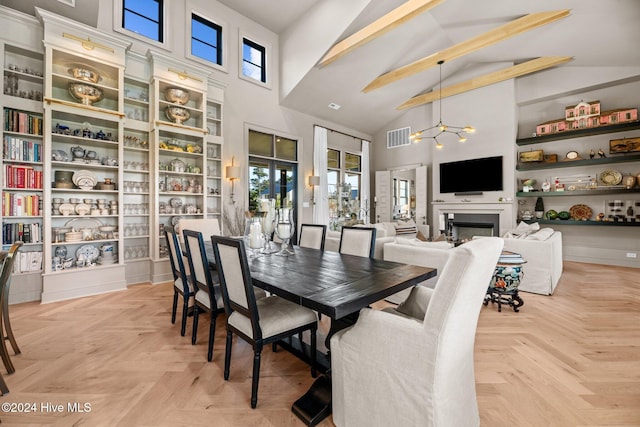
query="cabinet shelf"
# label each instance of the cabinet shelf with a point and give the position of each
(579, 133)
(574, 222)
(584, 162)
(595, 192)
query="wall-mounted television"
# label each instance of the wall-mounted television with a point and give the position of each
(471, 176)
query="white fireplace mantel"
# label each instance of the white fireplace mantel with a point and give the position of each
(504, 209)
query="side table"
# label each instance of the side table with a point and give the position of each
(503, 288)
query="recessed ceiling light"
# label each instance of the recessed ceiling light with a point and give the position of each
(71, 3)
(334, 106)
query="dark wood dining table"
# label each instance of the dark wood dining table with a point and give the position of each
(333, 284)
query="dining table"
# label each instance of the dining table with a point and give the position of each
(335, 285)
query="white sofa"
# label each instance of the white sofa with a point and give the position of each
(385, 233)
(543, 266)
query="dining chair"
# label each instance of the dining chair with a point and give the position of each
(207, 226)
(312, 236)
(3, 386)
(182, 285)
(408, 371)
(5, 321)
(360, 241)
(256, 321)
(208, 296)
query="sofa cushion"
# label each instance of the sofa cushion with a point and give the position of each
(406, 227)
(417, 242)
(543, 234)
(522, 230)
(389, 228)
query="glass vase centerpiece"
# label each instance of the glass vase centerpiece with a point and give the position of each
(253, 237)
(268, 210)
(285, 228)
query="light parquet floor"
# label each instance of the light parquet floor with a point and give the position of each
(572, 359)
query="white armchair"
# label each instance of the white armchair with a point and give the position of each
(394, 370)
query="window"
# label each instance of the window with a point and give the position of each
(272, 169)
(143, 17)
(206, 39)
(344, 176)
(254, 61)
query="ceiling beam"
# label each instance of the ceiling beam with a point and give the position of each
(488, 79)
(388, 22)
(504, 32)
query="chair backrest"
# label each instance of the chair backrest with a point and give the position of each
(207, 226)
(199, 264)
(175, 256)
(312, 236)
(7, 268)
(450, 327)
(235, 280)
(360, 241)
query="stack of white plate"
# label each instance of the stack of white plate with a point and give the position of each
(73, 236)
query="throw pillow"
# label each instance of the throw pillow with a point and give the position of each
(543, 234)
(421, 236)
(416, 303)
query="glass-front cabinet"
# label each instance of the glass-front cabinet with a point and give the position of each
(83, 177)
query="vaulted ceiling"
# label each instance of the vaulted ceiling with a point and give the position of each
(594, 35)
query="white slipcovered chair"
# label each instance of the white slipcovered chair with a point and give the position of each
(395, 370)
(359, 241)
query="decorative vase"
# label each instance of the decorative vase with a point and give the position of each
(539, 208)
(629, 181)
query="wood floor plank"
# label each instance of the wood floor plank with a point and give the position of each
(571, 359)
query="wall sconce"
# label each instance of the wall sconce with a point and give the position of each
(313, 181)
(233, 173)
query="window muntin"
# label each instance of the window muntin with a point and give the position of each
(254, 61)
(206, 39)
(143, 17)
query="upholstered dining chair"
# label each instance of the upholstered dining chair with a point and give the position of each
(5, 321)
(312, 236)
(256, 321)
(395, 370)
(207, 226)
(360, 241)
(208, 296)
(182, 285)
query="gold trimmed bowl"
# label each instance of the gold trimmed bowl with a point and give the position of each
(84, 73)
(86, 94)
(177, 114)
(176, 95)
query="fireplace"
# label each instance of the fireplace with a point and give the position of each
(484, 218)
(463, 226)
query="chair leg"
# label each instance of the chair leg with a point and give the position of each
(274, 347)
(194, 332)
(3, 386)
(175, 306)
(4, 354)
(212, 335)
(227, 355)
(256, 378)
(7, 325)
(185, 309)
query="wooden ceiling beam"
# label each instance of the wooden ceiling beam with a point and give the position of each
(504, 32)
(488, 79)
(388, 22)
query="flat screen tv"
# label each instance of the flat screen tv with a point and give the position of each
(471, 176)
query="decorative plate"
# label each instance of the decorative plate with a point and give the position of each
(79, 223)
(580, 212)
(611, 177)
(175, 202)
(82, 208)
(90, 252)
(67, 209)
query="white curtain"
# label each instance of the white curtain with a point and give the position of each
(365, 191)
(321, 208)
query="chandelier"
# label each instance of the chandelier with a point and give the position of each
(440, 128)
